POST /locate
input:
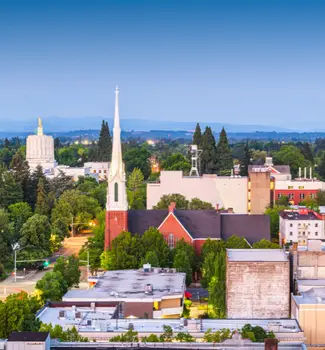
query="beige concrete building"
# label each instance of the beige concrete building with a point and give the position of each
(309, 310)
(259, 193)
(257, 283)
(308, 265)
(222, 191)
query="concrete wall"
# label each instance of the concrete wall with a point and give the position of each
(308, 265)
(259, 195)
(257, 289)
(138, 309)
(224, 191)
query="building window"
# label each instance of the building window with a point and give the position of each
(301, 187)
(171, 241)
(302, 196)
(291, 225)
(99, 171)
(316, 233)
(116, 192)
(299, 224)
(279, 195)
(94, 170)
(316, 225)
(291, 233)
(290, 187)
(312, 195)
(304, 233)
(105, 171)
(291, 196)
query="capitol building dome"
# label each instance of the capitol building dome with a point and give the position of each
(40, 150)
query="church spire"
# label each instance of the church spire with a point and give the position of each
(116, 198)
(40, 127)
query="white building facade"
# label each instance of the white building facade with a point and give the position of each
(300, 226)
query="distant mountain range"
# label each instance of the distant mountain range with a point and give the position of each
(60, 124)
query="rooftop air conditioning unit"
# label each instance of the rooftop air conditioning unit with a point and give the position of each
(148, 289)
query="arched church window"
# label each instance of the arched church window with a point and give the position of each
(116, 192)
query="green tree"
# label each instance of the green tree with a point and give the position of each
(197, 136)
(182, 264)
(51, 287)
(167, 335)
(69, 268)
(20, 170)
(125, 253)
(10, 191)
(19, 213)
(42, 202)
(223, 154)
(321, 166)
(217, 286)
(265, 244)
(208, 162)
(176, 161)
(153, 241)
(57, 332)
(183, 337)
(282, 201)
(17, 313)
(5, 237)
(137, 157)
(274, 219)
(291, 155)
(35, 235)
(235, 242)
(136, 190)
(104, 144)
(95, 244)
(245, 160)
(165, 200)
(320, 198)
(128, 337)
(197, 204)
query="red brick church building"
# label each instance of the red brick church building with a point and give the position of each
(194, 226)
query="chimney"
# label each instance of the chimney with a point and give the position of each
(270, 344)
(171, 207)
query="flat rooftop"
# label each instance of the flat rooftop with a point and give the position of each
(83, 318)
(311, 296)
(300, 214)
(258, 255)
(102, 323)
(122, 285)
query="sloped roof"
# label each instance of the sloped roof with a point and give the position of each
(282, 169)
(28, 336)
(140, 220)
(252, 227)
(201, 224)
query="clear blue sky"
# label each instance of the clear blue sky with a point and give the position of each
(244, 62)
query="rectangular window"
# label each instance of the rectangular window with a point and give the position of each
(291, 225)
(291, 233)
(279, 195)
(291, 196)
(171, 241)
(316, 233)
(290, 187)
(316, 225)
(302, 196)
(301, 187)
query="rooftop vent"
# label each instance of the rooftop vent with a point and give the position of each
(148, 289)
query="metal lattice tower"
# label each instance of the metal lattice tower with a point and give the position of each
(195, 160)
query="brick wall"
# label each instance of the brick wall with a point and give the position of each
(257, 289)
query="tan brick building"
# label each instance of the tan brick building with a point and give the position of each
(257, 283)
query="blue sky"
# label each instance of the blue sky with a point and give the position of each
(240, 62)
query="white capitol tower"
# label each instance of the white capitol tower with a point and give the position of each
(40, 150)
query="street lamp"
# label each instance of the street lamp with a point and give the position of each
(15, 247)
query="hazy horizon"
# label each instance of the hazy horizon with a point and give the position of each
(231, 62)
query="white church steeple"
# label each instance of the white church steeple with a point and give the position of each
(116, 191)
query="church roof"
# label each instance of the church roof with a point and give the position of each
(202, 224)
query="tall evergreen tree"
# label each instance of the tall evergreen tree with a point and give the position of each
(33, 184)
(10, 190)
(42, 202)
(245, 160)
(197, 136)
(209, 152)
(104, 143)
(20, 170)
(223, 154)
